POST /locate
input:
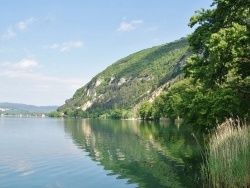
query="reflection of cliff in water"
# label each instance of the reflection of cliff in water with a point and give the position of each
(149, 154)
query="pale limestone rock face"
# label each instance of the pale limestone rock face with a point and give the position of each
(86, 105)
(91, 90)
(98, 81)
(111, 80)
(122, 81)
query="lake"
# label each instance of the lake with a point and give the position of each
(46, 152)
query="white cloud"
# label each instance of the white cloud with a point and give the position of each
(128, 26)
(70, 45)
(39, 78)
(21, 83)
(21, 70)
(9, 33)
(66, 46)
(24, 24)
(24, 64)
(25, 78)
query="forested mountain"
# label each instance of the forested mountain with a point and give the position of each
(128, 82)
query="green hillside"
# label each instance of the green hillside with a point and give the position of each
(131, 80)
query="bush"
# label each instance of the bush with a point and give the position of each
(55, 114)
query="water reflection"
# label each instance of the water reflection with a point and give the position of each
(147, 153)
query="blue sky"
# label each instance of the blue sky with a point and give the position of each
(50, 48)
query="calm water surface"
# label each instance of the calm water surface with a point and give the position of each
(43, 152)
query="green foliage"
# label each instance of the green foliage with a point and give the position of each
(201, 108)
(97, 113)
(207, 110)
(158, 108)
(55, 114)
(68, 112)
(221, 61)
(222, 46)
(177, 99)
(79, 113)
(116, 114)
(145, 110)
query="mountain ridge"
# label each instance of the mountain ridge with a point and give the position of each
(25, 108)
(132, 79)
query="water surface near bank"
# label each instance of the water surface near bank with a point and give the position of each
(43, 152)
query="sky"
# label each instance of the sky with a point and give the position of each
(50, 48)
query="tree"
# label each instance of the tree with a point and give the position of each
(68, 112)
(145, 110)
(79, 113)
(158, 107)
(221, 60)
(55, 114)
(221, 46)
(116, 114)
(177, 100)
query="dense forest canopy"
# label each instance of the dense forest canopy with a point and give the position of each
(221, 46)
(221, 60)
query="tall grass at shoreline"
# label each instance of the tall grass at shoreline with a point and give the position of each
(227, 156)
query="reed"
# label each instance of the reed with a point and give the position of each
(227, 156)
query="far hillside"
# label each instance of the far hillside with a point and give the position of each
(16, 108)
